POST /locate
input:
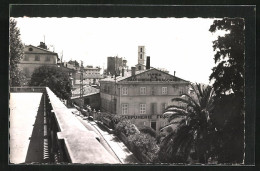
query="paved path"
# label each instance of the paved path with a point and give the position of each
(112, 143)
(123, 153)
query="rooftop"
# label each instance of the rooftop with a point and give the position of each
(88, 90)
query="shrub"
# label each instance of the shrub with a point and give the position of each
(121, 127)
(144, 144)
(148, 130)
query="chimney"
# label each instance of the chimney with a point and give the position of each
(133, 71)
(123, 72)
(148, 62)
(174, 73)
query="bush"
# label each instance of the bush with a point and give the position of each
(125, 127)
(148, 130)
(144, 144)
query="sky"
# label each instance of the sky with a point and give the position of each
(182, 45)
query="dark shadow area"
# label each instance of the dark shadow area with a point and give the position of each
(131, 159)
(35, 149)
(116, 139)
(102, 127)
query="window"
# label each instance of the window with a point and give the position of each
(48, 58)
(142, 90)
(142, 108)
(144, 123)
(182, 90)
(124, 109)
(26, 58)
(139, 67)
(141, 49)
(153, 125)
(141, 56)
(30, 49)
(163, 107)
(37, 58)
(124, 91)
(152, 90)
(153, 108)
(164, 90)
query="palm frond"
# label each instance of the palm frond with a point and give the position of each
(175, 106)
(191, 99)
(189, 103)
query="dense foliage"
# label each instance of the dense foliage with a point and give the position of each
(144, 144)
(148, 130)
(228, 82)
(194, 130)
(54, 78)
(229, 72)
(126, 127)
(17, 78)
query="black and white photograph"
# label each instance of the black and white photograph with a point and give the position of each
(127, 90)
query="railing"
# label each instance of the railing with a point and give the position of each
(75, 141)
(27, 89)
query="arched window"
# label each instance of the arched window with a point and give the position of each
(139, 67)
(141, 49)
(140, 56)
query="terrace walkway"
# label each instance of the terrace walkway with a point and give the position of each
(26, 127)
(114, 145)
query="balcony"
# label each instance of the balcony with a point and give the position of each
(50, 133)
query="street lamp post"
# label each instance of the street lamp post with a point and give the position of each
(81, 86)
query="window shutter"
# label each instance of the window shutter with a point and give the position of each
(155, 108)
(152, 108)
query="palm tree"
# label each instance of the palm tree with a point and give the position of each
(192, 137)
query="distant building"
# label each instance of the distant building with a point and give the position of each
(91, 76)
(115, 64)
(141, 65)
(35, 57)
(141, 95)
(91, 97)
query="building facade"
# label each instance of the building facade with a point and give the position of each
(35, 57)
(115, 64)
(91, 76)
(142, 97)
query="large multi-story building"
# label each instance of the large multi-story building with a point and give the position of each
(141, 95)
(35, 57)
(115, 64)
(91, 76)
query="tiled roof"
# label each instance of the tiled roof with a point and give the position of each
(88, 90)
(126, 75)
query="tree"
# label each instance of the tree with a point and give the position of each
(74, 63)
(228, 75)
(17, 78)
(228, 83)
(54, 78)
(194, 130)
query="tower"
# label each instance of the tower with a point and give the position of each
(141, 55)
(141, 58)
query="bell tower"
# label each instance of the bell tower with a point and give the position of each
(141, 58)
(141, 55)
